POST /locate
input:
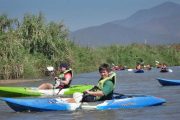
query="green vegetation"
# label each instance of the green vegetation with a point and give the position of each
(131, 54)
(28, 46)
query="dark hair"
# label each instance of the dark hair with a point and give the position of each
(104, 66)
(64, 65)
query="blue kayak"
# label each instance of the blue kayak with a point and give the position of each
(168, 82)
(60, 104)
(138, 71)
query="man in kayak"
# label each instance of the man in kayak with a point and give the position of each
(164, 68)
(103, 90)
(62, 81)
(139, 66)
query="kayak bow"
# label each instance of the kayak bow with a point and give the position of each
(168, 82)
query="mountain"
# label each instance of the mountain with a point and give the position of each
(155, 26)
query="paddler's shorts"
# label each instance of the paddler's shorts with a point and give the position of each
(89, 98)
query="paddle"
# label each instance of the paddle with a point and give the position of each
(52, 74)
(170, 70)
(50, 68)
(130, 70)
(54, 86)
(157, 61)
(57, 85)
(60, 88)
(78, 97)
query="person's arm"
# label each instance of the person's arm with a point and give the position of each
(96, 93)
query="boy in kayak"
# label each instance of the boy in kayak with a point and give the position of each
(103, 90)
(62, 81)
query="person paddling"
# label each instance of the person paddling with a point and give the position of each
(62, 81)
(103, 90)
(164, 68)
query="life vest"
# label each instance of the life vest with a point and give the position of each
(112, 77)
(99, 87)
(62, 77)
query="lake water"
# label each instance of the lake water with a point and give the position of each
(127, 83)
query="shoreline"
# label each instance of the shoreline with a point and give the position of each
(18, 81)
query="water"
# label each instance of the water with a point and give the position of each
(127, 83)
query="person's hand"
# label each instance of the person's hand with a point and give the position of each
(61, 82)
(88, 92)
(84, 92)
(95, 87)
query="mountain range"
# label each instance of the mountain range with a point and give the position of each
(158, 25)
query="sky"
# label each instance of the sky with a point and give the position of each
(77, 14)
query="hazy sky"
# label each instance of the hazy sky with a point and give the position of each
(77, 14)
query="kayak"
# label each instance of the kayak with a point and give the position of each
(166, 70)
(138, 71)
(34, 91)
(60, 104)
(168, 82)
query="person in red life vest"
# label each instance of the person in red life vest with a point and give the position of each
(63, 80)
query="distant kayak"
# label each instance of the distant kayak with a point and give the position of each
(34, 91)
(166, 70)
(60, 104)
(168, 82)
(138, 71)
(135, 71)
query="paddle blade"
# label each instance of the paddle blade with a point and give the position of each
(170, 70)
(78, 96)
(130, 69)
(50, 68)
(157, 61)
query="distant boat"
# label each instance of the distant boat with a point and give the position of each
(168, 82)
(164, 70)
(139, 71)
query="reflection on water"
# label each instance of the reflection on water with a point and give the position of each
(127, 83)
(95, 115)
